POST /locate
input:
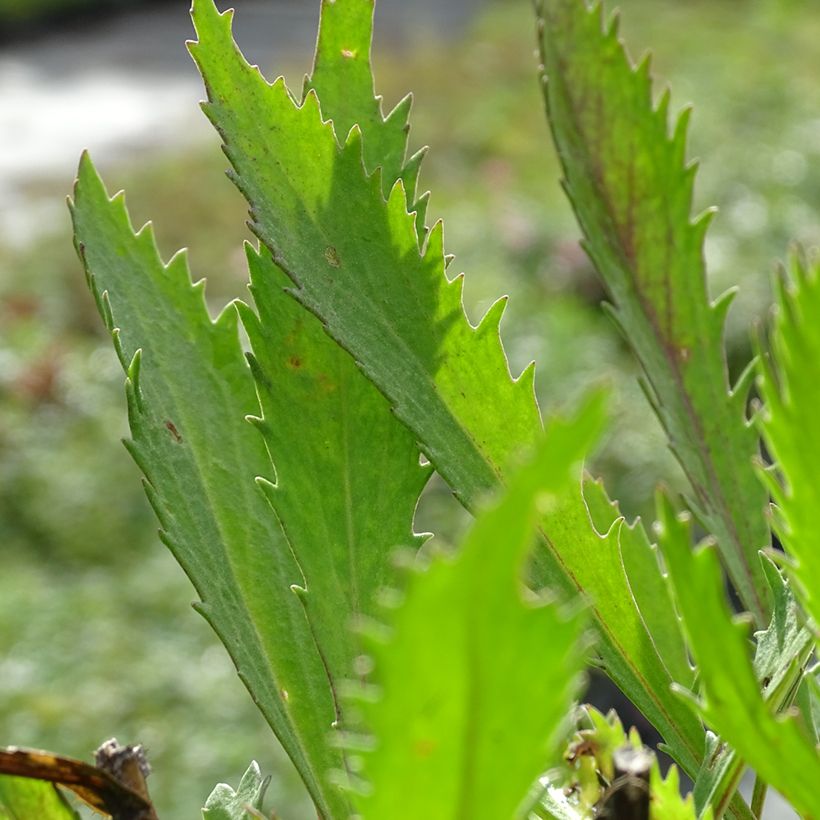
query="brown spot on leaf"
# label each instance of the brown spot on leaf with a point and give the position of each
(171, 428)
(295, 362)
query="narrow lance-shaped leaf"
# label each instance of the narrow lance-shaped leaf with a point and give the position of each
(781, 651)
(347, 470)
(492, 674)
(631, 189)
(730, 698)
(357, 262)
(790, 386)
(646, 584)
(342, 78)
(189, 389)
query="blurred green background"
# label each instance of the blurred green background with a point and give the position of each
(96, 634)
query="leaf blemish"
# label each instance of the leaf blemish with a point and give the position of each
(349, 53)
(171, 428)
(332, 256)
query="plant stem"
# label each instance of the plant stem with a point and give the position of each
(759, 796)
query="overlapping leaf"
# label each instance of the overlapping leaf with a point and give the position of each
(790, 386)
(631, 189)
(730, 699)
(189, 389)
(357, 263)
(471, 684)
(347, 471)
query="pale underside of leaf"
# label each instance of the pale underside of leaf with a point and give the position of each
(225, 803)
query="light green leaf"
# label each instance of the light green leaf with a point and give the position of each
(23, 798)
(790, 387)
(730, 699)
(189, 389)
(631, 189)
(666, 801)
(780, 654)
(646, 583)
(347, 471)
(342, 78)
(471, 682)
(226, 804)
(360, 269)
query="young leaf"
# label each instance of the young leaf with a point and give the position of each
(790, 386)
(666, 801)
(730, 699)
(492, 675)
(347, 470)
(189, 389)
(23, 798)
(343, 81)
(224, 803)
(631, 189)
(448, 381)
(780, 655)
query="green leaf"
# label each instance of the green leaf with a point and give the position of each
(646, 583)
(357, 262)
(189, 389)
(23, 798)
(226, 804)
(730, 700)
(347, 471)
(790, 387)
(409, 332)
(780, 654)
(666, 801)
(342, 79)
(492, 673)
(631, 189)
